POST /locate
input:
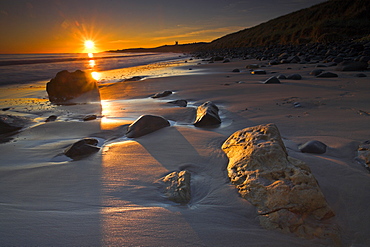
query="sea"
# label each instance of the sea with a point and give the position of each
(29, 68)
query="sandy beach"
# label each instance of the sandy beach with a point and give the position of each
(111, 198)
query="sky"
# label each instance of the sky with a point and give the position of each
(62, 26)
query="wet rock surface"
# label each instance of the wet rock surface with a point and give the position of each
(9, 123)
(271, 80)
(162, 94)
(146, 124)
(314, 147)
(176, 186)
(180, 102)
(82, 148)
(207, 115)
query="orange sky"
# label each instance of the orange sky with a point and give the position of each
(55, 26)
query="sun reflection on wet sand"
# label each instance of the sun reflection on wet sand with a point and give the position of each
(96, 75)
(91, 63)
(160, 69)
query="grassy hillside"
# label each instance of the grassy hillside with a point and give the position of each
(331, 21)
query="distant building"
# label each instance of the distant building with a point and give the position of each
(176, 43)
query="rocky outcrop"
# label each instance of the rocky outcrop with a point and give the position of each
(282, 188)
(72, 87)
(176, 186)
(146, 124)
(82, 148)
(207, 115)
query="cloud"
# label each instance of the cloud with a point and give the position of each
(214, 32)
(121, 41)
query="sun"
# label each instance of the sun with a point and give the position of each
(89, 44)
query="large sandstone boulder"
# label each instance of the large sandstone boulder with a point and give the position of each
(146, 124)
(282, 188)
(72, 87)
(176, 186)
(207, 115)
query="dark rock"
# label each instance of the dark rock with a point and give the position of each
(294, 77)
(316, 72)
(294, 59)
(9, 123)
(226, 61)
(364, 59)
(327, 75)
(258, 72)
(314, 147)
(271, 80)
(352, 66)
(135, 78)
(6, 109)
(207, 115)
(176, 186)
(360, 75)
(283, 56)
(51, 118)
(363, 154)
(338, 60)
(162, 94)
(282, 77)
(273, 62)
(236, 70)
(180, 102)
(74, 87)
(82, 148)
(146, 124)
(90, 117)
(218, 58)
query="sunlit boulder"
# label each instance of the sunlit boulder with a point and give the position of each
(207, 115)
(283, 189)
(146, 124)
(72, 87)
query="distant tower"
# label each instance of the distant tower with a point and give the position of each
(176, 42)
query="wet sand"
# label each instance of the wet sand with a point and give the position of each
(111, 198)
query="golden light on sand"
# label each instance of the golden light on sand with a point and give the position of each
(96, 75)
(89, 44)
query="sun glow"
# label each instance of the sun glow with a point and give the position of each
(89, 44)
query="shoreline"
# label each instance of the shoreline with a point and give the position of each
(110, 198)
